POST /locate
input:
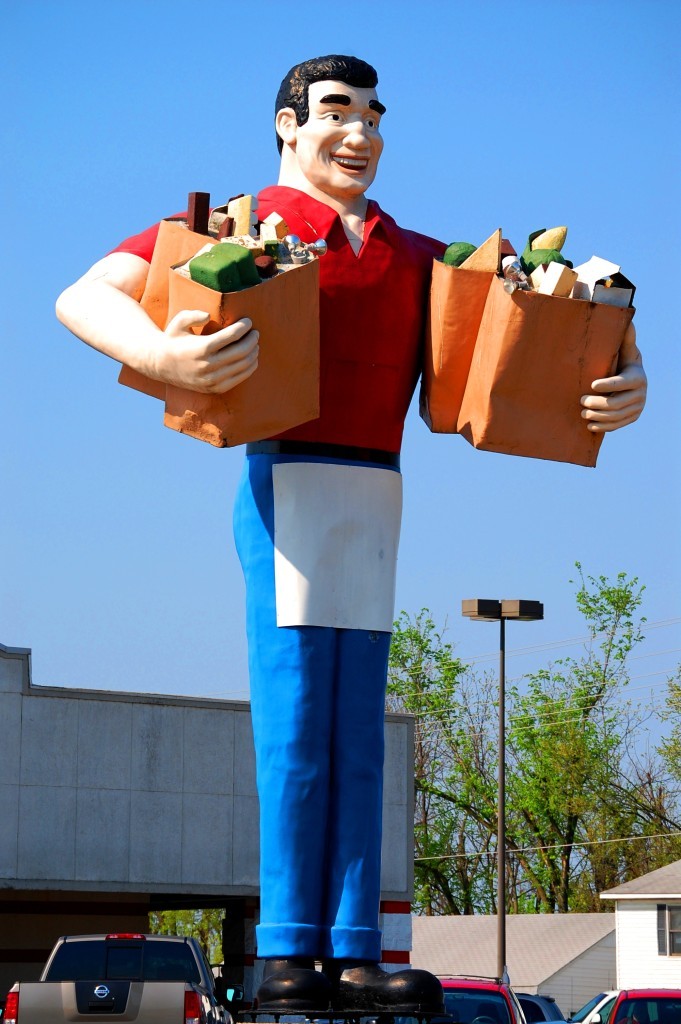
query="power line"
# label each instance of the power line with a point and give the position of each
(575, 709)
(572, 642)
(561, 716)
(553, 846)
(655, 654)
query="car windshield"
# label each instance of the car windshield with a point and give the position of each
(587, 1008)
(651, 1010)
(477, 1007)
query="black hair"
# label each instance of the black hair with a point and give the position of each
(336, 67)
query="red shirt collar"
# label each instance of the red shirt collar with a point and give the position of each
(322, 218)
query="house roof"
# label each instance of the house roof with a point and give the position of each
(537, 945)
(660, 884)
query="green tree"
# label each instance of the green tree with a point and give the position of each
(575, 782)
(566, 740)
(578, 778)
(204, 925)
(426, 679)
(670, 748)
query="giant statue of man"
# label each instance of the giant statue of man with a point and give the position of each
(316, 522)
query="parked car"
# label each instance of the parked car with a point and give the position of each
(481, 1001)
(134, 977)
(597, 1008)
(539, 1008)
(646, 1006)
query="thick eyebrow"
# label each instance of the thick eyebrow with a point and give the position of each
(340, 99)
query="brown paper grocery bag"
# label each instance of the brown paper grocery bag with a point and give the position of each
(457, 302)
(284, 390)
(534, 358)
(175, 244)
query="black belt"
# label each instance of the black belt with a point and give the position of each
(331, 451)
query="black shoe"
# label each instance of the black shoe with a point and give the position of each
(291, 983)
(364, 986)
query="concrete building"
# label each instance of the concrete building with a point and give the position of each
(648, 922)
(113, 804)
(568, 956)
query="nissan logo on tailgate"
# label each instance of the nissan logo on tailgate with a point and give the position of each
(101, 992)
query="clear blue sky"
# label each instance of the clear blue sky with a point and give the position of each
(118, 567)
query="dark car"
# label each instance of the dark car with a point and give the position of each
(481, 1001)
(539, 1008)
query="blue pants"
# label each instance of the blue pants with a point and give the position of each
(317, 702)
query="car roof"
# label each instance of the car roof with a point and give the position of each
(485, 984)
(131, 936)
(647, 993)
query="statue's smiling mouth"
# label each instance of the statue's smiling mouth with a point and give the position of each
(349, 163)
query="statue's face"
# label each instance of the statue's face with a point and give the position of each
(339, 146)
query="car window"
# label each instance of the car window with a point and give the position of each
(585, 1010)
(532, 1011)
(170, 961)
(654, 1010)
(149, 960)
(606, 1009)
(477, 1007)
(78, 961)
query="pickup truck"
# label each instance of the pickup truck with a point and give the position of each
(148, 979)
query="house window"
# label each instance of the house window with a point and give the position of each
(668, 929)
(674, 922)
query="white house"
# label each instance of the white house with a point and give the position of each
(648, 928)
(568, 956)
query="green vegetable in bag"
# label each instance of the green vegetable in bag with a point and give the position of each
(457, 252)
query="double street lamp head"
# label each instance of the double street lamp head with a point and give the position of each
(486, 610)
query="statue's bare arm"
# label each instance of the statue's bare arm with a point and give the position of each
(102, 309)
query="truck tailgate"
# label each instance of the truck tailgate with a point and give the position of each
(147, 1002)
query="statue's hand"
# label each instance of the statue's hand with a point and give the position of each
(618, 400)
(209, 363)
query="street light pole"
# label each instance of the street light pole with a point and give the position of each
(486, 610)
(501, 808)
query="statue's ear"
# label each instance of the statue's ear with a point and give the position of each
(286, 125)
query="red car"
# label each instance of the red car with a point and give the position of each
(647, 1006)
(481, 1001)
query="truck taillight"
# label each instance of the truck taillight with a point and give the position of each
(192, 1008)
(11, 1015)
(124, 935)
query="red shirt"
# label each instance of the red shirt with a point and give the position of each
(372, 313)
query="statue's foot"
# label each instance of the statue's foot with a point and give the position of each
(291, 983)
(364, 986)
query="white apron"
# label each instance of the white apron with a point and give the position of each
(336, 533)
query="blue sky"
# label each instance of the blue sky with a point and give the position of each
(118, 567)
